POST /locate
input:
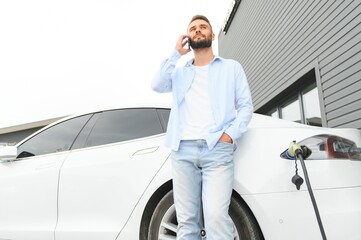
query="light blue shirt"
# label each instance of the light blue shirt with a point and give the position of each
(231, 101)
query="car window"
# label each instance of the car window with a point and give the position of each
(164, 117)
(83, 135)
(124, 124)
(57, 138)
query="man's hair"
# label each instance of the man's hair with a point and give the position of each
(201, 17)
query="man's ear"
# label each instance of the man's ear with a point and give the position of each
(213, 36)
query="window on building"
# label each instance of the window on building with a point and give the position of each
(291, 111)
(299, 103)
(274, 113)
(311, 106)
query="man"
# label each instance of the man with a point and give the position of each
(211, 108)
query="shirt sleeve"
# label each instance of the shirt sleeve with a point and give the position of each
(162, 81)
(243, 105)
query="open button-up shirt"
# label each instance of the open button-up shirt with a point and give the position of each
(231, 101)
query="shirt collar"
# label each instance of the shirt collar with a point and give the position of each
(216, 58)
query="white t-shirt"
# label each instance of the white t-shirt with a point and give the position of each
(196, 109)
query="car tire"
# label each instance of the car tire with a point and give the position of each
(163, 223)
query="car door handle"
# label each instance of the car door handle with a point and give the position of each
(45, 166)
(146, 151)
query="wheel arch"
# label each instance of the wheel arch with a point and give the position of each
(161, 192)
(150, 207)
(242, 202)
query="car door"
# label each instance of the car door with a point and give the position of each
(101, 182)
(29, 184)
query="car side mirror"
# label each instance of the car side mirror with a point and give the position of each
(8, 153)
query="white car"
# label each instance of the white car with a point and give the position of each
(106, 176)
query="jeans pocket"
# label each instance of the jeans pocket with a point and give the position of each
(228, 145)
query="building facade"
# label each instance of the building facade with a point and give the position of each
(302, 58)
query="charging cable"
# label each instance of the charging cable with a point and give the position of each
(298, 152)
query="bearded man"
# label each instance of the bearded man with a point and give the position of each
(211, 109)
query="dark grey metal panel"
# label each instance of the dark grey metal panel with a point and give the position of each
(336, 95)
(278, 41)
(343, 41)
(289, 45)
(346, 119)
(306, 47)
(345, 52)
(350, 104)
(342, 70)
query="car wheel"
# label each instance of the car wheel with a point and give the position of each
(163, 224)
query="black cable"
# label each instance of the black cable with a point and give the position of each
(300, 157)
(296, 167)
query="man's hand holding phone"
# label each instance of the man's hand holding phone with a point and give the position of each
(181, 45)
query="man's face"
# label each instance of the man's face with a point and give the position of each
(201, 35)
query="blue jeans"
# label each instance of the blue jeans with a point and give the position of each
(203, 180)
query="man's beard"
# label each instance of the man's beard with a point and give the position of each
(205, 43)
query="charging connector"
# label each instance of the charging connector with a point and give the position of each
(301, 153)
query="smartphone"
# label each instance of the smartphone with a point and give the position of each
(189, 44)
